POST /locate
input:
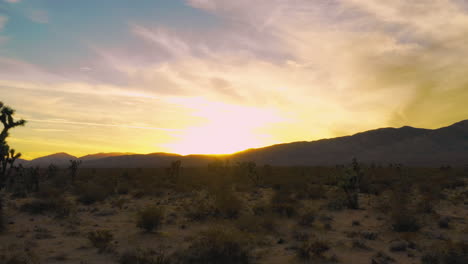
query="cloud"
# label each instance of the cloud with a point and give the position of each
(3, 21)
(38, 15)
(270, 72)
(13, 1)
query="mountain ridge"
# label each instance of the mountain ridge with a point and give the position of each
(407, 145)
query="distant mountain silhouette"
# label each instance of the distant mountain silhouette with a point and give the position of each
(58, 159)
(104, 155)
(406, 145)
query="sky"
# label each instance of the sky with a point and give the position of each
(220, 76)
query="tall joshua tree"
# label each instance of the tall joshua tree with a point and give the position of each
(74, 164)
(7, 156)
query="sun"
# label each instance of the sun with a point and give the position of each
(225, 129)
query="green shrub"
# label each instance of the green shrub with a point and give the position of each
(150, 218)
(101, 239)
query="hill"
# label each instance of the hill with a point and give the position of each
(406, 145)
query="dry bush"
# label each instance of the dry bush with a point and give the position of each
(256, 224)
(2, 216)
(101, 239)
(227, 204)
(14, 254)
(150, 218)
(59, 206)
(144, 256)
(447, 253)
(307, 218)
(217, 245)
(283, 204)
(200, 207)
(312, 248)
(91, 192)
(403, 218)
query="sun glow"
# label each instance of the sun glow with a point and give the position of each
(225, 128)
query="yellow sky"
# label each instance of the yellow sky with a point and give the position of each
(275, 72)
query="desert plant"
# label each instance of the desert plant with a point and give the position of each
(283, 203)
(7, 156)
(57, 205)
(447, 253)
(144, 256)
(174, 170)
(307, 219)
(227, 204)
(312, 248)
(251, 172)
(350, 181)
(91, 192)
(403, 218)
(217, 245)
(150, 218)
(14, 254)
(74, 165)
(2, 216)
(101, 239)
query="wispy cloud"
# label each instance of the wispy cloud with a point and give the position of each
(272, 71)
(38, 16)
(3, 21)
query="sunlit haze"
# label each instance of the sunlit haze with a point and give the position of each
(220, 76)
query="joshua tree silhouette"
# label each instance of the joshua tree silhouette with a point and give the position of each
(7, 156)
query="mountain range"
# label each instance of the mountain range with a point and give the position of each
(406, 145)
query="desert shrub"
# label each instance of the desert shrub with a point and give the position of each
(256, 224)
(144, 256)
(18, 258)
(350, 182)
(315, 191)
(307, 218)
(447, 253)
(150, 218)
(90, 193)
(283, 204)
(2, 216)
(260, 208)
(119, 202)
(312, 248)
(61, 207)
(404, 221)
(38, 206)
(403, 218)
(444, 222)
(217, 245)
(227, 204)
(101, 239)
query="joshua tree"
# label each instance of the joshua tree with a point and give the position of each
(74, 164)
(250, 169)
(350, 182)
(7, 156)
(52, 171)
(174, 170)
